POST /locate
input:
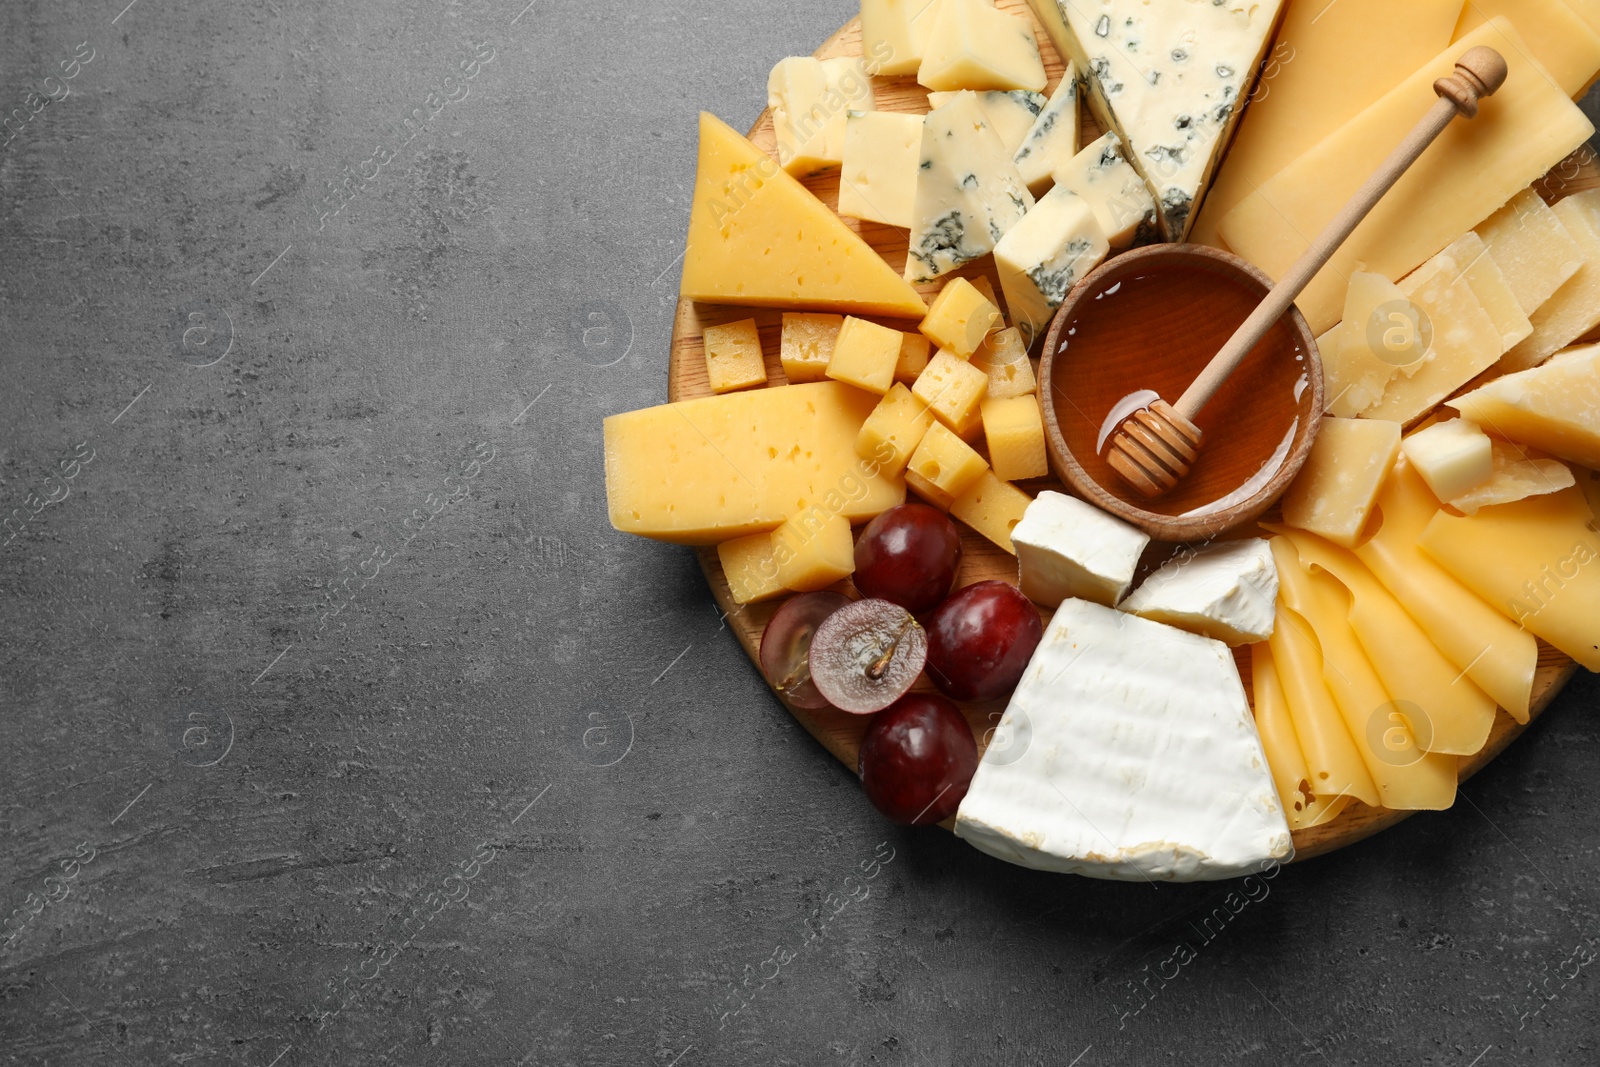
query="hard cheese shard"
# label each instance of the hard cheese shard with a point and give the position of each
(1514, 475)
(1170, 76)
(1128, 752)
(1555, 407)
(1532, 248)
(1225, 591)
(1574, 309)
(758, 237)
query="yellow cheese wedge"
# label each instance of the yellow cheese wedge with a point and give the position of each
(1574, 310)
(1313, 83)
(1537, 561)
(751, 571)
(1493, 651)
(993, 508)
(1532, 248)
(1302, 807)
(1470, 172)
(704, 471)
(971, 45)
(1562, 41)
(1554, 408)
(759, 237)
(1347, 467)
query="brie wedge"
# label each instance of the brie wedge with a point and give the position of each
(1066, 548)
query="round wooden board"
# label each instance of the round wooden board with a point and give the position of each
(841, 734)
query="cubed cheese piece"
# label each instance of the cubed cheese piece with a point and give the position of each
(1554, 408)
(1534, 251)
(806, 345)
(1379, 334)
(893, 33)
(733, 356)
(865, 355)
(878, 177)
(1466, 175)
(915, 350)
(1453, 457)
(1014, 430)
(1471, 257)
(1121, 201)
(813, 550)
(993, 508)
(1574, 310)
(1004, 358)
(700, 472)
(1226, 590)
(1335, 490)
(758, 237)
(943, 467)
(1563, 43)
(953, 389)
(1171, 78)
(749, 567)
(973, 46)
(960, 318)
(809, 98)
(894, 429)
(968, 191)
(1516, 475)
(1051, 142)
(1127, 752)
(1042, 257)
(1067, 548)
(1011, 112)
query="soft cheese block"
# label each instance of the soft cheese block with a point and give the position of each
(1011, 112)
(1128, 752)
(1120, 199)
(1067, 548)
(699, 472)
(758, 237)
(878, 176)
(810, 100)
(971, 45)
(1226, 591)
(893, 33)
(1042, 257)
(1555, 407)
(1052, 140)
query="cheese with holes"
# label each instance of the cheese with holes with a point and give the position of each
(1011, 112)
(960, 318)
(971, 45)
(915, 353)
(1042, 257)
(758, 237)
(1574, 309)
(1468, 173)
(1121, 201)
(1127, 752)
(878, 175)
(893, 33)
(1347, 467)
(943, 466)
(1003, 356)
(1052, 140)
(1554, 407)
(894, 429)
(699, 472)
(993, 508)
(953, 388)
(1067, 548)
(805, 347)
(1452, 457)
(810, 100)
(1515, 475)
(1301, 806)
(1564, 44)
(733, 356)
(1225, 590)
(1532, 248)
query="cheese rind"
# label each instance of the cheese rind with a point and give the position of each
(1334, 492)
(971, 45)
(1127, 752)
(1532, 248)
(1121, 201)
(878, 172)
(1554, 407)
(1011, 112)
(1051, 142)
(1226, 591)
(1453, 457)
(1069, 549)
(1043, 256)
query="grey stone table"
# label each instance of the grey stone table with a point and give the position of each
(339, 726)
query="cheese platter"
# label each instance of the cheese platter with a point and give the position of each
(1367, 574)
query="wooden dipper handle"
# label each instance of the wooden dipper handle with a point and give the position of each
(1479, 73)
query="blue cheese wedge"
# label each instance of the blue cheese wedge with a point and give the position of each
(1171, 77)
(811, 100)
(968, 191)
(1128, 752)
(1042, 257)
(1011, 112)
(1052, 140)
(1120, 199)
(1226, 590)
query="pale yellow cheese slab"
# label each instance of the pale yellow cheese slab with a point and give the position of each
(1554, 407)
(1302, 807)
(1562, 41)
(1490, 286)
(1533, 249)
(1574, 310)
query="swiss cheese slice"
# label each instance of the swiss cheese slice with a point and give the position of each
(1303, 807)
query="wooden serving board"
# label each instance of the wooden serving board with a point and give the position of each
(840, 733)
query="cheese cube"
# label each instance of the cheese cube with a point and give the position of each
(1014, 429)
(1004, 358)
(894, 429)
(878, 175)
(1067, 548)
(913, 359)
(809, 98)
(1120, 199)
(1471, 257)
(1052, 140)
(980, 283)
(1532, 248)
(893, 33)
(1554, 407)
(1347, 467)
(973, 46)
(1380, 333)
(750, 568)
(1042, 257)
(960, 318)
(943, 467)
(1564, 44)
(733, 356)
(1516, 475)
(993, 508)
(968, 191)
(865, 355)
(806, 345)
(1226, 590)
(1452, 457)
(1010, 112)
(1574, 310)
(813, 550)
(953, 389)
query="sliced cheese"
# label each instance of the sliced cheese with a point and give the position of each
(1051, 142)
(1453, 457)
(1380, 333)
(1335, 491)
(1011, 112)
(1302, 807)
(1471, 256)
(1121, 201)
(971, 45)
(1055, 245)
(878, 175)
(1515, 475)
(1225, 591)
(1566, 46)
(1532, 248)
(1554, 407)
(1574, 310)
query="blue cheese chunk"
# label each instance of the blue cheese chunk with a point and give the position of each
(1042, 257)
(1052, 140)
(1011, 112)
(1120, 199)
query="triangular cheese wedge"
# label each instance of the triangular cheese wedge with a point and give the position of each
(1555, 407)
(1171, 78)
(758, 237)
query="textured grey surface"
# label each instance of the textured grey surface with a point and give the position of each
(262, 708)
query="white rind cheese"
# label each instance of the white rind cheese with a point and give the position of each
(968, 191)
(1121, 201)
(1052, 140)
(1128, 752)
(1042, 257)
(1067, 548)
(1226, 591)
(1011, 112)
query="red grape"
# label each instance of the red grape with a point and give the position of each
(866, 656)
(981, 639)
(909, 555)
(917, 759)
(786, 646)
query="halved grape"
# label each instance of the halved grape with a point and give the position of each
(917, 759)
(866, 656)
(786, 646)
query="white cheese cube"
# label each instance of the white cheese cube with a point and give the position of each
(878, 178)
(1011, 113)
(974, 46)
(1226, 591)
(810, 100)
(1051, 142)
(1121, 200)
(1128, 752)
(1042, 257)
(1452, 457)
(1067, 548)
